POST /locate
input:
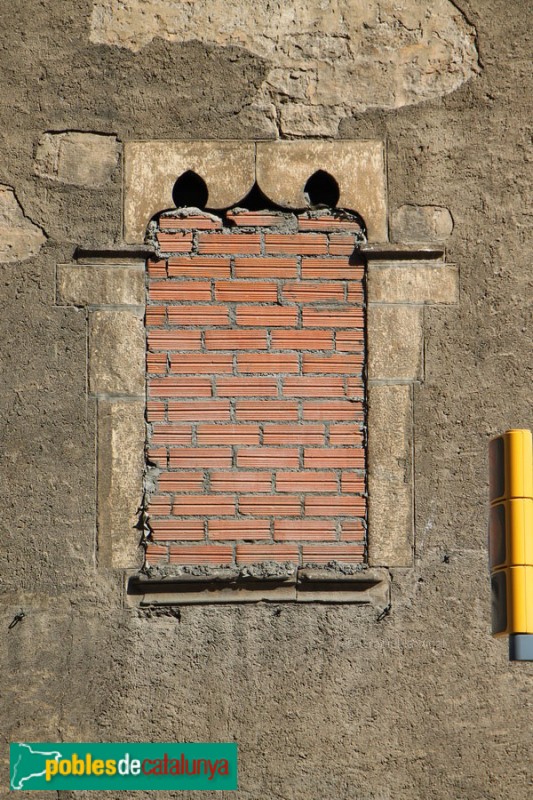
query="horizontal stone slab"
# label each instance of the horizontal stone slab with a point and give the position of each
(412, 283)
(84, 285)
(369, 586)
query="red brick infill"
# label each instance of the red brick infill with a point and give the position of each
(256, 398)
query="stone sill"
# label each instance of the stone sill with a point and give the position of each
(306, 585)
(120, 254)
(392, 252)
(378, 251)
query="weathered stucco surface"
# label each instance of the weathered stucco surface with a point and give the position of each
(324, 702)
(327, 58)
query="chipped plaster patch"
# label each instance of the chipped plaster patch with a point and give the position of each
(20, 238)
(329, 58)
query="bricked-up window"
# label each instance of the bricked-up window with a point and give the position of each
(256, 398)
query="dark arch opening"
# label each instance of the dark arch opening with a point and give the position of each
(190, 190)
(322, 189)
(256, 200)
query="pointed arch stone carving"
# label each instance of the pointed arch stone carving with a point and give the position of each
(402, 279)
(230, 169)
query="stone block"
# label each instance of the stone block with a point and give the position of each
(410, 224)
(152, 168)
(84, 285)
(395, 342)
(304, 119)
(20, 238)
(116, 352)
(390, 476)
(358, 167)
(79, 159)
(121, 438)
(412, 283)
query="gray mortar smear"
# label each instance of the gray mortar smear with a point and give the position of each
(262, 570)
(288, 222)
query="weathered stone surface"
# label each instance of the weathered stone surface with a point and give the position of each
(83, 285)
(151, 170)
(358, 167)
(116, 352)
(390, 480)
(394, 342)
(299, 119)
(327, 60)
(402, 282)
(20, 238)
(121, 436)
(80, 159)
(261, 117)
(421, 224)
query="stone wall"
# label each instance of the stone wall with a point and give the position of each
(325, 700)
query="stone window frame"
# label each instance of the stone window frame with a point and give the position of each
(401, 281)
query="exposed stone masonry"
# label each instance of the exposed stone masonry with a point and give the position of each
(326, 60)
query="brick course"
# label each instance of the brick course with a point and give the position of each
(256, 395)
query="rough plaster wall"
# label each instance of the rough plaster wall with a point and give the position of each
(326, 58)
(20, 238)
(325, 702)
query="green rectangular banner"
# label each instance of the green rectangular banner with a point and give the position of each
(123, 766)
